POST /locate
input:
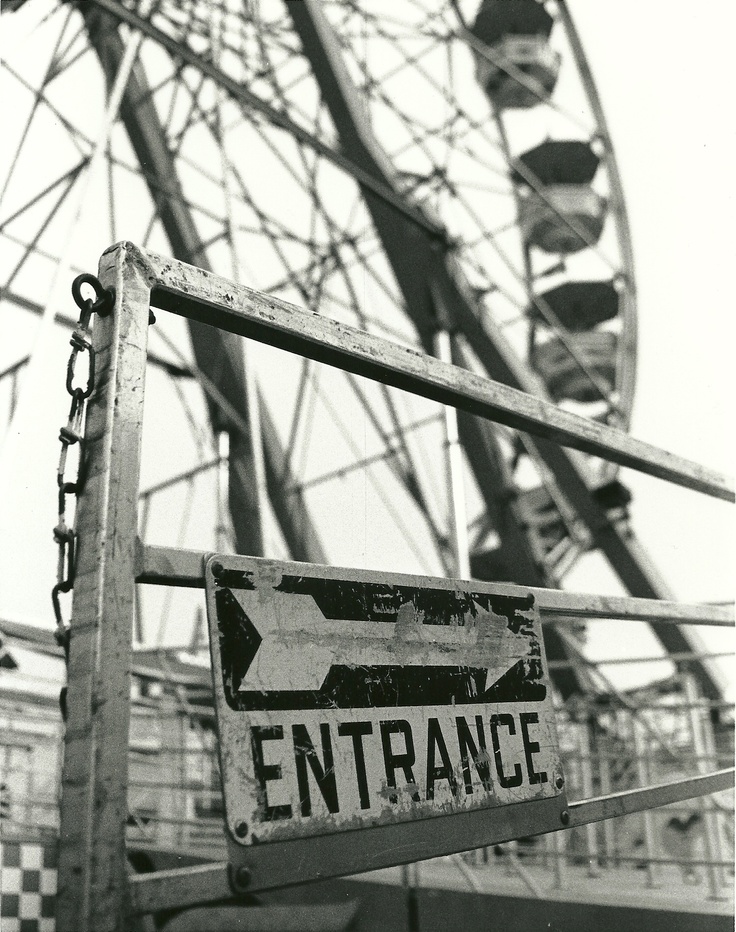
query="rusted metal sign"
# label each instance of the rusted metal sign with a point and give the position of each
(349, 699)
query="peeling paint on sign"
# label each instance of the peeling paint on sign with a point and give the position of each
(348, 699)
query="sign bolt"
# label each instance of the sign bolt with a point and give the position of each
(560, 782)
(564, 817)
(241, 829)
(240, 878)
(217, 569)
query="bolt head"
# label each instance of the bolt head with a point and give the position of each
(217, 570)
(241, 829)
(560, 782)
(242, 877)
(565, 817)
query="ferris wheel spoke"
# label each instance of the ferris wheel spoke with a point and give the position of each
(68, 176)
(30, 247)
(37, 252)
(39, 95)
(378, 486)
(357, 465)
(404, 471)
(75, 134)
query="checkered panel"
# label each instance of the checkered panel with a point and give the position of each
(27, 886)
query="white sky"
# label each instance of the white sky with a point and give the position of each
(664, 74)
(665, 78)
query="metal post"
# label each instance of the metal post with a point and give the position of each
(712, 854)
(168, 801)
(409, 882)
(609, 834)
(510, 851)
(586, 763)
(454, 466)
(711, 763)
(643, 771)
(559, 844)
(92, 865)
(223, 531)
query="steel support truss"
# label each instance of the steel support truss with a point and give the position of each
(94, 893)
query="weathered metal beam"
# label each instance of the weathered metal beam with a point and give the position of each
(270, 865)
(94, 805)
(170, 566)
(192, 292)
(556, 603)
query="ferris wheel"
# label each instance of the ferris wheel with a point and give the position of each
(438, 172)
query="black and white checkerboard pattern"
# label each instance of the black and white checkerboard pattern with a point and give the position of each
(27, 886)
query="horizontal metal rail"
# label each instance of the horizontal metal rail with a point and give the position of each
(209, 824)
(535, 857)
(651, 658)
(172, 566)
(179, 888)
(650, 797)
(558, 604)
(199, 295)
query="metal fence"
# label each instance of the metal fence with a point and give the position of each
(96, 794)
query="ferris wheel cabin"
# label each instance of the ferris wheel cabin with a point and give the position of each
(579, 307)
(559, 211)
(518, 68)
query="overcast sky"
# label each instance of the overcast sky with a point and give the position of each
(664, 74)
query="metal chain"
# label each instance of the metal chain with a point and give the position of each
(72, 433)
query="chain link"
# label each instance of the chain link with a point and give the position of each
(70, 434)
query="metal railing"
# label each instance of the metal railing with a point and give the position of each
(92, 869)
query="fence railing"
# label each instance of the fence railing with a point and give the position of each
(94, 892)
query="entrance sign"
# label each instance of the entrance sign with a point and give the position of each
(351, 700)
